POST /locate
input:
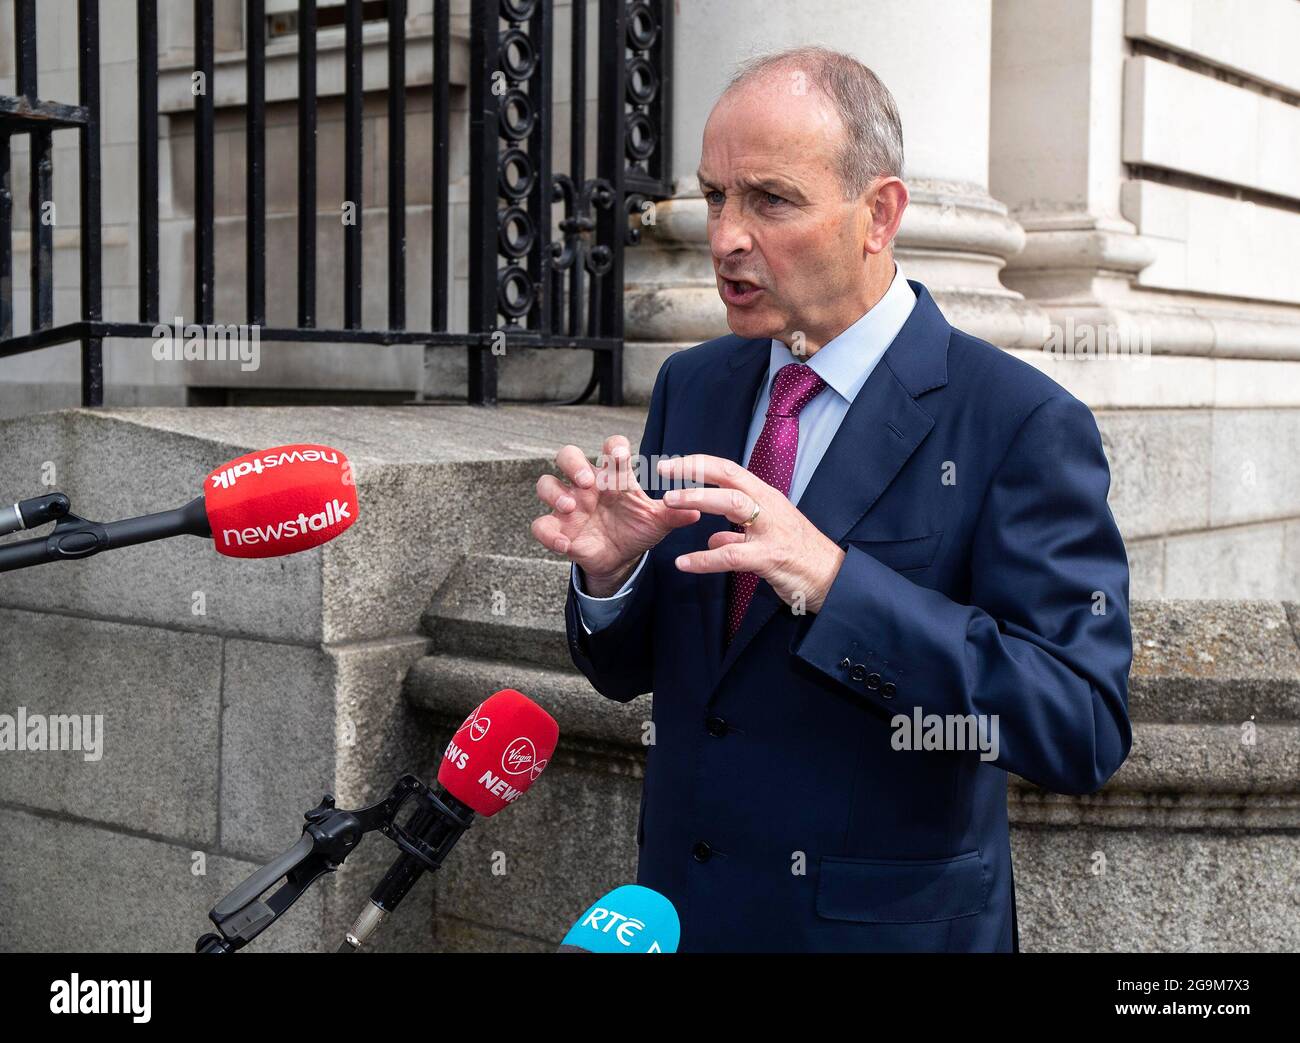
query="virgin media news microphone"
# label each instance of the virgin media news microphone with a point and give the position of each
(630, 918)
(260, 505)
(495, 755)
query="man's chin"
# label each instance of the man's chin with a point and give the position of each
(750, 324)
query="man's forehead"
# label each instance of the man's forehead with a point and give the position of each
(773, 104)
(746, 141)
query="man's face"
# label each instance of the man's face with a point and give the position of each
(777, 217)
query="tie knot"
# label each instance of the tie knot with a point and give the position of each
(796, 385)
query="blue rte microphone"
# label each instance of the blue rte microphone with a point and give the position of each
(630, 918)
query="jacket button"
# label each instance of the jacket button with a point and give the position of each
(702, 852)
(716, 726)
(845, 664)
(858, 672)
(873, 681)
(888, 690)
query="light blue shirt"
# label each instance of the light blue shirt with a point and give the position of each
(844, 363)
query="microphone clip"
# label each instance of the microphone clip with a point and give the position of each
(329, 835)
(429, 855)
(72, 536)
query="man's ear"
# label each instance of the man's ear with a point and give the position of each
(889, 199)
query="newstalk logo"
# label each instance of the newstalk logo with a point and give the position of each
(227, 478)
(333, 513)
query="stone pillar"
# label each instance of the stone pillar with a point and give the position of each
(1149, 150)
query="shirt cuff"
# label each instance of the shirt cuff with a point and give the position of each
(601, 612)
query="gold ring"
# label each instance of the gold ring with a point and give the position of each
(750, 520)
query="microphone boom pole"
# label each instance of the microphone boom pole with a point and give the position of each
(76, 537)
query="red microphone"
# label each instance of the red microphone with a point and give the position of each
(261, 505)
(500, 750)
(280, 501)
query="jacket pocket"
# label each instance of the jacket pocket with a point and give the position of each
(901, 891)
(916, 552)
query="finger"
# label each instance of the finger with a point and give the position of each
(735, 557)
(732, 504)
(676, 519)
(574, 465)
(615, 460)
(554, 493)
(547, 532)
(724, 536)
(714, 470)
(615, 443)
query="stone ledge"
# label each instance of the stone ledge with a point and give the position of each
(1211, 758)
(449, 685)
(1222, 661)
(1196, 759)
(494, 601)
(1030, 806)
(1194, 661)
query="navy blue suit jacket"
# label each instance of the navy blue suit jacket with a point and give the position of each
(984, 575)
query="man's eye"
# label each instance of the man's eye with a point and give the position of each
(714, 198)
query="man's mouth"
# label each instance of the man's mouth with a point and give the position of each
(740, 291)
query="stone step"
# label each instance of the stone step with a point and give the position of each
(1206, 767)
(497, 606)
(1215, 661)
(1204, 674)
(1193, 661)
(448, 685)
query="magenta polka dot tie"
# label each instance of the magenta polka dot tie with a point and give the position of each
(772, 459)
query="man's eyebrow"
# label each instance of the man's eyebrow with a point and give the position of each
(763, 184)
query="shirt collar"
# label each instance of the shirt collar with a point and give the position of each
(846, 361)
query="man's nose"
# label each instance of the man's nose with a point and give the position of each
(730, 232)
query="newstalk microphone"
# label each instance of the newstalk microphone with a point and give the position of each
(260, 505)
(495, 755)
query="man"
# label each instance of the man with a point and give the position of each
(921, 535)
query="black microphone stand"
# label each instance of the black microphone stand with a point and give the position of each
(75, 537)
(329, 836)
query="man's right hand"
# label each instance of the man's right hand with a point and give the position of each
(601, 519)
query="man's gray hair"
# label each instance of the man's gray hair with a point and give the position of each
(873, 138)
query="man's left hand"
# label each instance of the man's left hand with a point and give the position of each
(781, 546)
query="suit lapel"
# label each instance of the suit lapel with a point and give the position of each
(878, 434)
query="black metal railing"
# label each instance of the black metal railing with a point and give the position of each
(527, 287)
